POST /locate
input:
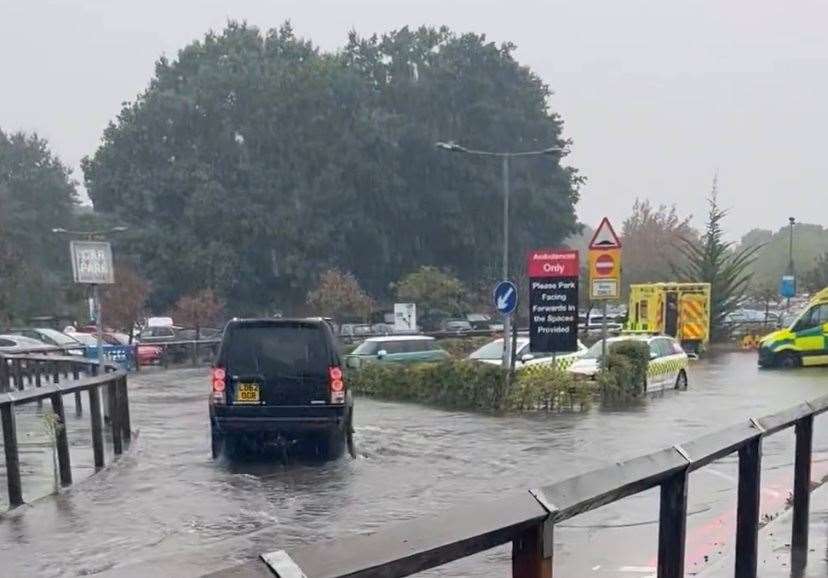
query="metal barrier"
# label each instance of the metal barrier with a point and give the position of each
(28, 378)
(527, 519)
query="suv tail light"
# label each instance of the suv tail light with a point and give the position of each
(218, 376)
(337, 385)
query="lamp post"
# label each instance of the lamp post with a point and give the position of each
(506, 158)
(791, 222)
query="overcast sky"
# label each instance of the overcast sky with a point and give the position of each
(655, 95)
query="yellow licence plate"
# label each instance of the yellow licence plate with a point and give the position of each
(247, 393)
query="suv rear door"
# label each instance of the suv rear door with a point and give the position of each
(289, 360)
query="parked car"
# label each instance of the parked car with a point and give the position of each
(11, 344)
(492, 353)
(479, 321)
(667, 368)
(278, 381)
(157, 334)
(396, 348)
(52, 337)
(148, 354)
(456, 325)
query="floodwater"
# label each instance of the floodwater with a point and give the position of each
(167, 509)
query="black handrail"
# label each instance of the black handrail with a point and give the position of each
(34, 378)
(526, 519)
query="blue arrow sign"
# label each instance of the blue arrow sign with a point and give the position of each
(505, 297)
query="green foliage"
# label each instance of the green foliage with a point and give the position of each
(431, 289)
(716, 261)
(545, 387)
(626, 374)
(810, 244)
(451, 384)
(253, 161)
(339, 295)
(816, 278)
(461, 347)
(651, 237)
(36, 195)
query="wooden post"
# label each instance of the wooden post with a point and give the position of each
(12, 457)
(195, 353)
(672, 526)
(114, 420)
(61, 440)
(532, 553)
(747, 509)
(97, 426)
(55, 372)
(38, 374)
(801, 493)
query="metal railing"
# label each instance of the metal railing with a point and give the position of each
(527, 519)
(32, 378)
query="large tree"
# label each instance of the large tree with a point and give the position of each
(253, 162)
(714, 260)
(338, 295)
(37, 194)
(652, 238)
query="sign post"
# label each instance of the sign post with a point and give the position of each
(553, 300)
(92, 265)
(405, 317)
(604, 274)
(505, 297)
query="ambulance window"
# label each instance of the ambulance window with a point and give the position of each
(821, 315)
(816, 316)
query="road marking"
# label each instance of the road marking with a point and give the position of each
(598, 567)
(638, 569)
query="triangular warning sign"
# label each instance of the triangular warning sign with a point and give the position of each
(605, 237)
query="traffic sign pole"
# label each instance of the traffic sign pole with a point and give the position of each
(604, 275)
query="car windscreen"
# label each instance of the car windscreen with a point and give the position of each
(276, 350)
(494, 350)
(367, 348)
(58, 337)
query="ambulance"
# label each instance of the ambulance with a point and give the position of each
(680, 310)
(805, 342)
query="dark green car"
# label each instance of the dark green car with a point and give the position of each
(396, 349)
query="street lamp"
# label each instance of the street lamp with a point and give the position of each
(791, 222)
(506, 157)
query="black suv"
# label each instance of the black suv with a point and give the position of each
(280, 381)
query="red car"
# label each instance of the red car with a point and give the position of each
(148, 354)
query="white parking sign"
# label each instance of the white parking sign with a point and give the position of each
(92, 262)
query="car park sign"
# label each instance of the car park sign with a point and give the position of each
(505, 297)
(92, 262)
(553, 300)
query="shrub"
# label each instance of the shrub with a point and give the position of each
(461, 347)
(549, 388)
(626, 372)
(453, 384)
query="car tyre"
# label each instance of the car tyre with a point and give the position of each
(681, 381)
(331, 445)
(788, 360)
(216, 443)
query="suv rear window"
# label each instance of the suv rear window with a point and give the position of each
(276, 350)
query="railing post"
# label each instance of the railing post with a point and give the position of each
(801, 493)
(747, 508)
(61, 440)
(12, 457)
(38, 374)
(672, 526)
(532, 553)
(125, 421)
(195, 353)
(97, 426)
(114, 417)
(18, 378)
(4, 374)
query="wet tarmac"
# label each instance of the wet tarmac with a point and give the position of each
(167, 509)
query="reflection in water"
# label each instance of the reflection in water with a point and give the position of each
(168, 509)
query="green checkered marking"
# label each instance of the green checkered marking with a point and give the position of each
(560, 363)
(660, 366)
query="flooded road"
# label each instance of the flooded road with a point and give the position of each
(167, 509)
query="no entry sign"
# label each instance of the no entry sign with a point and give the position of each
(553, 301)
(604, 263)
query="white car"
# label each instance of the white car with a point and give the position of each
(20, 344)
(492, 353)
(667, 368)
